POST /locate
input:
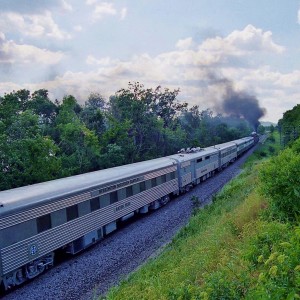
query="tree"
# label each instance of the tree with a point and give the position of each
(149, 111)
(26, 157)
(261, 129)
(96, 101)
(41, 105)
(12, 104)
(93, 113)
(79, 145)
(289, 125)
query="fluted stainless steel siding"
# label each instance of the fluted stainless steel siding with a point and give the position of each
(17, 255)
(63, 203)
(228, 158)
(41, 210)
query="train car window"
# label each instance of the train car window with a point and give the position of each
(129, 191)
(95, 203)
(207, 157)
(199, 160)
(142, 186)
(136, 188)
(163, 178)
(104, 200)
(43, 223)
(173, 175)
(72, 212)
(113, 197)
(153, 182)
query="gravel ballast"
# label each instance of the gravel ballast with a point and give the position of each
(102, 266)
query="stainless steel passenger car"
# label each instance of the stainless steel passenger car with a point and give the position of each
(70, 214)
(75, 212)
(227, 153)
(195, 165)
(244, 144)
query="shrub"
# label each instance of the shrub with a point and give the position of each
(280, 182)
(272, 139)
(271, 149)
(277, 266)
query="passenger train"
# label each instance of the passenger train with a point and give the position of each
(72, 213)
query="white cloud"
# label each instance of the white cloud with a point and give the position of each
(123, 13)
(189, 68)
(299, 16)
(36, 25)
(104, 9)
(105, 61)
(184, 44)
(13, 53)
(241, 43)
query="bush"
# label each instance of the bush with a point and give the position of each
(271, 149)
(280, 182)
(272, 139)
(275, 256)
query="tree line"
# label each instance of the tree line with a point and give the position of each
(289, 125)
(42, 140)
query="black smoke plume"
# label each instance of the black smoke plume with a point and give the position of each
(237, 103)
(243, 105)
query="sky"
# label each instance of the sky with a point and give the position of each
(94, 46)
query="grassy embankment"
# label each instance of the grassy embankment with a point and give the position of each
(228, 250)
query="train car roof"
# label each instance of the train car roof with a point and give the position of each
(224, 145)
(182, 157)
(36, 194)
(243, 140)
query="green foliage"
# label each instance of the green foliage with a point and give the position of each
(272, 138)
(226, 251)
(289, 125)
(195, 200)
(206, 129)
(26, 156)
(275, 255)
(280, 182)
(79, 145)
(195, 264)
(261, 129)
(136, 124)
(112, 157)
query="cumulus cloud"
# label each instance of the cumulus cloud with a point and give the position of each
(241, 43)
(102, 9)
(189, 67)
(105, 9)
(33, 25)
(184, 44)
(105, 61)
(12, 53)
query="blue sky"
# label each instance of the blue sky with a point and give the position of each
(78, 47)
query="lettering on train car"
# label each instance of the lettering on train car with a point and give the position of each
(122, 206)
